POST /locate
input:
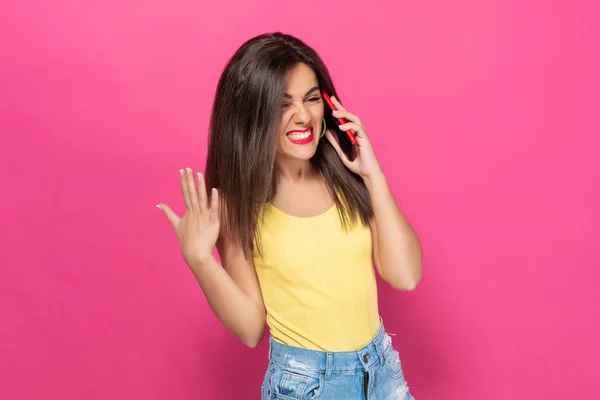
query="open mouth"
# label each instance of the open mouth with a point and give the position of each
(301, 136)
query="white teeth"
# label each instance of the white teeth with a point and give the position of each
(300, 136)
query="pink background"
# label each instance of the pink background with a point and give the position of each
(483, 114)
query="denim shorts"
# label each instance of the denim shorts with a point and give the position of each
(372, 372)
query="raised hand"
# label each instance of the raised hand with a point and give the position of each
(365, 164)
(198, 229)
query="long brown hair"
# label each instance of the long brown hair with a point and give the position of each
(243, 137)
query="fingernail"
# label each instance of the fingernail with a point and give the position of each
(199, 174)
(180, 172)
(189, 170)
(336, 112)
(159, 207)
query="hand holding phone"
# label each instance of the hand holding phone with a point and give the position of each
(346, 139)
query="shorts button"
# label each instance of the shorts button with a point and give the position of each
(366, 358)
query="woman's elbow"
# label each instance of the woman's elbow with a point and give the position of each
(253, 340)
(410, 285)
(404, 286)
(251, 343)
(406, 283)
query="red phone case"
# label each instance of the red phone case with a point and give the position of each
(340, 120)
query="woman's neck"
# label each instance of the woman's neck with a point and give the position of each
(295, 170)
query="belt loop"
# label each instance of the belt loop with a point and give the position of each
(329, 366)
(270, 349)
(381, 346)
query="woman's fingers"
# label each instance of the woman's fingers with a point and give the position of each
(184, 189)
(215, 211)
(169, 213)
(352, 126)
(338, 105)
(191, 188)
(195, 197)
(353, 122)
(202, 194)
(348, 116)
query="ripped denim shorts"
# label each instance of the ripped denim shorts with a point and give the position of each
(372, 372)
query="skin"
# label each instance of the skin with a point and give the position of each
(233, 291)
(300, 192)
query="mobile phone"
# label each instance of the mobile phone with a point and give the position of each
(346, 139)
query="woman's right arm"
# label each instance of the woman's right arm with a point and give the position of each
(232, 292)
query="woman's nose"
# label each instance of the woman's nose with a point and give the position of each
(302, 116)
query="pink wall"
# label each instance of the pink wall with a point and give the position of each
(481, 112)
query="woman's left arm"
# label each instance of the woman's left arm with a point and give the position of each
(396, 247)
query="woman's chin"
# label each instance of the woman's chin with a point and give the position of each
(304, 154)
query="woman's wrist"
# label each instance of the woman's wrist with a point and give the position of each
(375, 179)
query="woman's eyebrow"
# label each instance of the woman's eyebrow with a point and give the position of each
(307, 93)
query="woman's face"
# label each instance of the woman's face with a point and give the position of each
(301, 120)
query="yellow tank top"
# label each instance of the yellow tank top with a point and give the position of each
(317, 280)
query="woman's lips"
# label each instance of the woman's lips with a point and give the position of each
(301, 136)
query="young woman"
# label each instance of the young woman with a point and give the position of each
(297, 227)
